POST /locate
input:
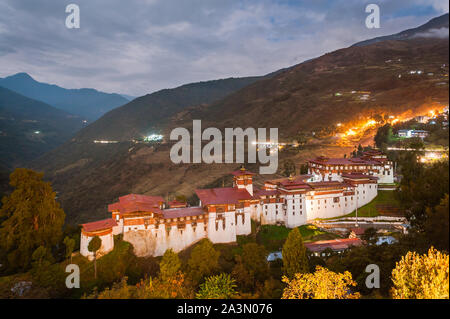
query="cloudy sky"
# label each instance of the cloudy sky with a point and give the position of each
(140, 46)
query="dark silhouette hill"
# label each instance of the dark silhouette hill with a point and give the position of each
(88, 103)
(29, 128)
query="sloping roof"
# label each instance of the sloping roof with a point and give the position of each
(136, 203)
(226, 195)
(175, 203)
(99, 225)
(241, 172)
(344, 161)
(297, 178)
(358, 176)
(257, 193)
(326, 184)
(182, 212)
(334, 244)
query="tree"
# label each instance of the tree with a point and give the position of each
(383, 136)
(70, 245)
(94, 246)
(422, 186)
(370, 235)
(31, 218)
(322, 284)
(170, 265)
(288, 168)
(421, 276)
(204, 261)
(436, 225)
(294, 254)
(217, 287)
(251, 266)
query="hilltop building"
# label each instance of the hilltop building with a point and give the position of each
(413, 133)
(226, 212)
(371, 163)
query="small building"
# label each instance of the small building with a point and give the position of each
(338, 246)
(412, 133)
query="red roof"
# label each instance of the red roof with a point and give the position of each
(359, 176)
(327, 184)
(241, 172)
(344, 161)
(99, 225)
(226, 195)
(297, 178)
(182, 212)
(264, 192)
(136, 203)
(177, 203)
(334, 244)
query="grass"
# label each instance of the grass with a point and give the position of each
(273, 237)
(370, 209)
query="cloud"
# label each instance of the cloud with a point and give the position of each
(138, 47)
(441, 33)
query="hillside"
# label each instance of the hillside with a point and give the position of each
(435, 27)
(88, 103)
(29, 128)
(348, 86)
(315, 95)
(149, 113)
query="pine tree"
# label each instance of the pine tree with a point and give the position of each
(204, 261)
(170, 265)
(294, 254)
(31, 218)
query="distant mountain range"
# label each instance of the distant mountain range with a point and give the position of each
(301, 98)
(29, 128)
(88, 103)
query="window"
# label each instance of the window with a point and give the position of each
(335, 199)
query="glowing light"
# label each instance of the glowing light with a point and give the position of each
(339, 124)
(153, 138)
(350, 132)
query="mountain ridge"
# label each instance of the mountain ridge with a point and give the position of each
(86, 102)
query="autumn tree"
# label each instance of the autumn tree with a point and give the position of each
(217, 287)
(294, 254)
(204, 261)
(31, 218)
(94, 246)
(421, 276)
(322, 284)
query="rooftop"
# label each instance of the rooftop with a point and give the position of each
(99, 225)
(136, 203)
(182, 212)
(226, 195)
(334, 244)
